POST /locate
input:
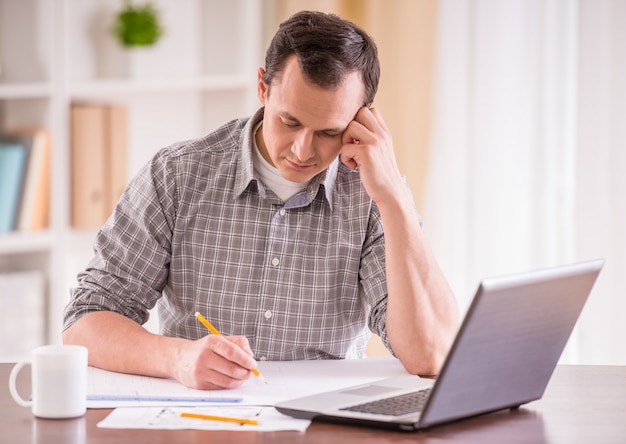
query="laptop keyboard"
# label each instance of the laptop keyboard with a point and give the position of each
(395, 406)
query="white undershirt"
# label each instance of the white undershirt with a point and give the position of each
(285, 189)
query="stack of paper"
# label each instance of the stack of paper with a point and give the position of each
(144, 402)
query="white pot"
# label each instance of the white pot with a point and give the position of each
(139, 62)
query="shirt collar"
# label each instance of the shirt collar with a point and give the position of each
(325, 179)
(245, 169)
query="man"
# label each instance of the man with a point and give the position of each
(272, 228)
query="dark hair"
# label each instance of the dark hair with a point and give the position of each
(328, 47)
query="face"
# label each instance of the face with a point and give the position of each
(303, 123)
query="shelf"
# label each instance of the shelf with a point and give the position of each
(104, 88)
(25, 90)
(25, 242)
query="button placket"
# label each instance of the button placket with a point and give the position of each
(278, 232)
(272, 278)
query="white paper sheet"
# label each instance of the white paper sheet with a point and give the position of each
(286, 380)
(169, 418)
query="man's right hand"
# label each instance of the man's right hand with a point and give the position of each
(214, 362)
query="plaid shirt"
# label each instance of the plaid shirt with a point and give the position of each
(196, 230)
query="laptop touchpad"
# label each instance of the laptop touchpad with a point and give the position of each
(369, 390)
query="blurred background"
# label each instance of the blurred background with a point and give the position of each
(507, 117)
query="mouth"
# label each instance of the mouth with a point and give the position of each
(298, 166)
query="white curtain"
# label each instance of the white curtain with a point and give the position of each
(528, 153)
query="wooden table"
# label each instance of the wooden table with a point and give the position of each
(583, 404)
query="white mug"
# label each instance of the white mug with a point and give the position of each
(59, 381)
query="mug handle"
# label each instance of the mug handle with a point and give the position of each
(12, 388)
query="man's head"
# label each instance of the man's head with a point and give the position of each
(327, 48)
(320, 70)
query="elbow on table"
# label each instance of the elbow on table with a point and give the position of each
(425, 366)
(427, 359)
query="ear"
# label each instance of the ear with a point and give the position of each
(262, 88)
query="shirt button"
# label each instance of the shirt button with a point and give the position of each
(275, 262)
(267, 314)
(282, 212)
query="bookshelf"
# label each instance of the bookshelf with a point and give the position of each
(53, 53)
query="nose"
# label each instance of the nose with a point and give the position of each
(302, 146)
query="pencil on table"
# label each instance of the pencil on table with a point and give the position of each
(215, 331)
(219, 418)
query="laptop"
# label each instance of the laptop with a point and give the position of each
(503, 356)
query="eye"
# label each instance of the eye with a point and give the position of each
(329, 134)
(290, 124)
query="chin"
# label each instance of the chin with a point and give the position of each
(298, 178)
(295, 176)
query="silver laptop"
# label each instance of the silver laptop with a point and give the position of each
(503, 356)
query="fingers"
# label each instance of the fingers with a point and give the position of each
(243, 343)
(368, 129)
(217, 362)
(235, 352)
(367, 122)
(379, 119)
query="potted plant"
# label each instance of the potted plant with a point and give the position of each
(137, 25)
(136, 28)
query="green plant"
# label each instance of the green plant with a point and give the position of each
(137, 25)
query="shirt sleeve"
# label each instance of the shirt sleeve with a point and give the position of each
(372, 276)
(132, 250)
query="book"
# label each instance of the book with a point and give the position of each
(98, 140)
(34, 208)
(12, 165)
(115, 155)
(87, 146)
(26, 142)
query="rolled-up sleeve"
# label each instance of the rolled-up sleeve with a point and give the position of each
(132, 250)
(373, 278)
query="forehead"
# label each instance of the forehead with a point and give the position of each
(291, 94)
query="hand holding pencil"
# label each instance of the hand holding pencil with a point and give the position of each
(215, 331)
(213, 362)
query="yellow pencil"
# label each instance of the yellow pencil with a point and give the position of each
(219, 418)
(215, 331)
